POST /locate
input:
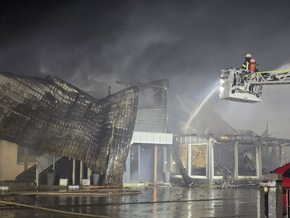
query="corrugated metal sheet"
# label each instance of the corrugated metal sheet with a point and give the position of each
(150, 120)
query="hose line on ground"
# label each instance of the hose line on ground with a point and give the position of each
(52, 210)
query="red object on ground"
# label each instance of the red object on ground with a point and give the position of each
(285, 172)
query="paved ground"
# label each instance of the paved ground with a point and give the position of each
(155, 202)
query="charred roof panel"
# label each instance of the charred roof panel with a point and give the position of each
(51, 115)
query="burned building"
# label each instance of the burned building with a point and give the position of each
(51, 115)
(124, 137)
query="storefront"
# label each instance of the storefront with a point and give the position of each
(149, 157)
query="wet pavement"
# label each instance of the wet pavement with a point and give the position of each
(155, 202)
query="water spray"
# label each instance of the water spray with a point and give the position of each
(196, 111)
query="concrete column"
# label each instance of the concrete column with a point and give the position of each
(236, 160)
(258, 161)
(188, 161)
(73, 171)
(89, 174)
(155, 164)
(210, 160)
(139, 162)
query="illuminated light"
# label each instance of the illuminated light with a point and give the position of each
(224, 138)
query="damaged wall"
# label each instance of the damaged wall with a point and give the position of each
(50, 115)
(9, 166)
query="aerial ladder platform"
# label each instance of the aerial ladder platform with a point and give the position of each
(246, 86)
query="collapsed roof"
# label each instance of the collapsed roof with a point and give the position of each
(51, 115)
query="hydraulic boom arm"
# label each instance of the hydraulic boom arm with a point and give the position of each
(270, 78)
(246, 86)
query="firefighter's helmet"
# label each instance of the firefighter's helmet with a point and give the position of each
(248, 55)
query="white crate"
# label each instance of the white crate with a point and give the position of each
(73, 187)
(85, 182)
(63, 182)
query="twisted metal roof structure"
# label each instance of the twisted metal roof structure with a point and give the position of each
(51, 115)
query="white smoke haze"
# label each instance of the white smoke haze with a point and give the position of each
(273, 109)
(91, 44)
(284, 67)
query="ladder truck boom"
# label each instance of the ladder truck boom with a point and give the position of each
(270, 78)
(246, 86)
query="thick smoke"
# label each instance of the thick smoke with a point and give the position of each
(91, 44)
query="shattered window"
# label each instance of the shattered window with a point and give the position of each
(223, 160)
(198, 160)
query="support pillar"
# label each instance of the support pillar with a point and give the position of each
(210, 161)
(139, 162)
(188, 160)
(155, 164)
(89, 174)
(258, 161)
(73, 171)
(236, 160)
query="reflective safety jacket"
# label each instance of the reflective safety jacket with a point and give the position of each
(246, 64)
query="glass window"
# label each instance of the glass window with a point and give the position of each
(198, 160)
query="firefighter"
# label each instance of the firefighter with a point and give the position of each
(246, 63)
(245, 67)
(253, 65)
(253, 68)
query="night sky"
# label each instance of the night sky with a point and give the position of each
(91, 44)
